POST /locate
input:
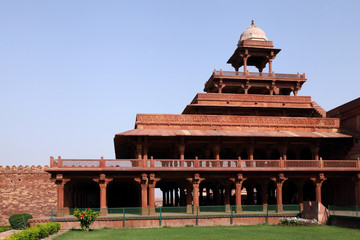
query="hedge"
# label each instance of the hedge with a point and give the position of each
(20, 220)
(38, 232)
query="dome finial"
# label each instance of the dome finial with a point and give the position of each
(252, 23)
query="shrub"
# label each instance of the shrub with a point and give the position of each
(38, 232)
(295, 221)
(20, 220)
(4, 228)
(86, 218)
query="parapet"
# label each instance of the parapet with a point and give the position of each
(23, 169)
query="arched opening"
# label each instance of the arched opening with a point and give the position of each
(309, 191)
(259, 154)
(228, 153)
(271, 193)
(290, 154)
(83, 194)
(275, 154)
(244, 155)
(305, 154)
(290, 193)
(123, 194)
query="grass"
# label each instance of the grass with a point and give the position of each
(4, 228)
(254, 232)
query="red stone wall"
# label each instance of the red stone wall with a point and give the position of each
(25, 189)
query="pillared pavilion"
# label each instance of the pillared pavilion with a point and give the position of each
(249, 138)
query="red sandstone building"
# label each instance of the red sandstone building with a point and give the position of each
(249, 132)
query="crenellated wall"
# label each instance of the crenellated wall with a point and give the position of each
(25, 189)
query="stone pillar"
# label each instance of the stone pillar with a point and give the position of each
(196, 180)
(227, 196)
(315, 152)
(152, 183)
(239, 180)
(279, 181)
(143, 181)
(103, 182)
(318, 183)
(60, 185)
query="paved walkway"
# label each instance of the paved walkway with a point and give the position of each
(6, 234)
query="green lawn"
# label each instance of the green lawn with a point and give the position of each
(254, 232)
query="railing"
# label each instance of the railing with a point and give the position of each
(258, 74)
(186, 212)
(343, 211)
(201, 163)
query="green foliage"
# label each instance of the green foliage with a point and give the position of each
(20, 220)
(86, 218)
(38, 232)
(4, 228)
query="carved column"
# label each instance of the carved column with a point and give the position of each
(279, 181)
(103, 181)
(152, 183)
(143, 181)
(60, 185)
(239, 180)
(318, 183)
(196, 180)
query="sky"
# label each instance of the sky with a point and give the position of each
(75, 73)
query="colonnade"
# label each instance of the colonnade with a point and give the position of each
(189, 192)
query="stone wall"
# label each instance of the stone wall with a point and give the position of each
(25, 189)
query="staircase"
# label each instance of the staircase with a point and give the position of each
(319, 109)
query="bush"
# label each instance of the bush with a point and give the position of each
(86, 218)
(20, 220)
(295, 221)
(4, 228)
(38, 232)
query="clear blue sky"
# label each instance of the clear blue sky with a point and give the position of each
(75, 73)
